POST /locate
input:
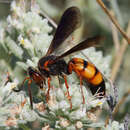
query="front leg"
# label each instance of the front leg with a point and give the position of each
(49, 87)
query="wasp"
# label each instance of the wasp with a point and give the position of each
(53, 64)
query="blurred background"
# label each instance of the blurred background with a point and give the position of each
(96, 22)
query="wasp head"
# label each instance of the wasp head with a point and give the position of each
(36, 76)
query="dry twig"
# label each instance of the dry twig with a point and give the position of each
(49, 19)
(115, 36)
(114, 20)
(115, 69)
(119, 56)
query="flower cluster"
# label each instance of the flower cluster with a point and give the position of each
(115, 126)
(25, 36)
(14, 107)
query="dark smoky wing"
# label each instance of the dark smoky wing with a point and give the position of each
(65, 46)
(70, 20)
(89, 42)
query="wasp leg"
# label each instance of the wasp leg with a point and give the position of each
(48, 91)
(68, 94)
(82, 90)
(59, 81)
(81, 87)
(30, 94)
(23, 103)
(29, 89)
(72, 67)
(8, 78)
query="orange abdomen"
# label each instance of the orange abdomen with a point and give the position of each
(89, 73)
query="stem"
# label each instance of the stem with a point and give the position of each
(117, 11)
(115, 36)
(48, 18)
(115, 69)
(119, 56)
(113, 20)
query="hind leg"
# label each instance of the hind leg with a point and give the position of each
(82, 90)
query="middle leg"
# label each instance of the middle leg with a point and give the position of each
(68, 94)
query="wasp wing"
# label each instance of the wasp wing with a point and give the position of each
(70, 20)
(89, 42)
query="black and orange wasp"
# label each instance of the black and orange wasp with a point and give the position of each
(53, 64)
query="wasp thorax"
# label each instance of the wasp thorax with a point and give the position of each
(49, 66)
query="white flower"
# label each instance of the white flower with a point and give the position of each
(22, 65)
(20, 39)
(34, 23)
(9, 19)
(64, 105)
(52, 103)
(28, 115)
(79, 124)
(47, 127)
(27, 44)
(64, 122)
(96, 102)
(16, 9)
(60, 94)
(35, 59)
(80, 113)
(114, 126)
(1, 34)
(14, 22)
(10, 85)
(35, 29)
(31, 63)
(41, 42)
(13, 47)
